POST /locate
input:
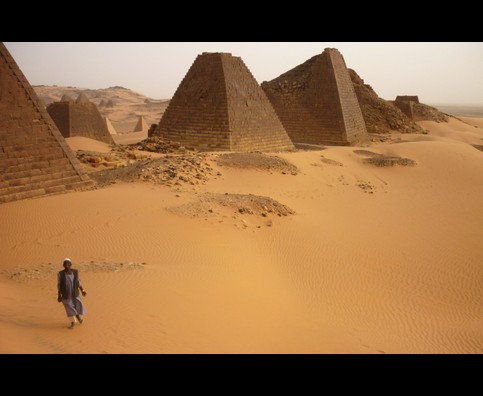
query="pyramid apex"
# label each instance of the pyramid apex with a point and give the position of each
(82, 98)
(66, 98)
(220, 106)
(141, 125)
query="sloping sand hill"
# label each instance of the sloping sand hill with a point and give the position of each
(375, 259)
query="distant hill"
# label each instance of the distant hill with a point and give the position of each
(120, 104)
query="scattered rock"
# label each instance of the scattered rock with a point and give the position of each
(384, 160)
(389, 161)
(240, 204)
(367, 187)
(366, 153)
(192, 169)
(257, 161)
(329, 161)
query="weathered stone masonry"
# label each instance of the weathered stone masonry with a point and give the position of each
(220, 106)
(316, 101)
(34, 157)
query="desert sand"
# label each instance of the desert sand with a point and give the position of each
(374, 260)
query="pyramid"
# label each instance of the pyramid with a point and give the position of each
(141, 126)
(66, 98)
(80, 118)
(109, 126)
(220, 106)
(316, 101)
(82, 98)
(35, 160)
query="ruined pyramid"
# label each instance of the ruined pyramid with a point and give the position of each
(141, 125)
(220, 106)
(34, 157)
(316, 102)
(79, 118)
(109, 126)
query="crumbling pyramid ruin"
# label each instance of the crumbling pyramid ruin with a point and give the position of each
(220, 106)
(380, 116)
(383, 116)
(34, 157)
(417, 111)
(316, 102)
(406, 105)
(79, 118)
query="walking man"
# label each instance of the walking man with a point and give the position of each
(68, 285)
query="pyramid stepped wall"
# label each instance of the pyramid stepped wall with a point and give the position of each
(198, 112)
(220, 106)
(254, 125)
(80, 118)
(35, 160)
(316, 102)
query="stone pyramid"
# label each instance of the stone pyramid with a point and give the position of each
(316, 102)
(109, 126)
(82, 98)
(34, 157)
(79, 118)
(141, 126)
(66, 98)
(220, 106)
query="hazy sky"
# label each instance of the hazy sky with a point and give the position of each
(439, 73)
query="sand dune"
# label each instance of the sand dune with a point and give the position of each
(87, 144)
(476, 122)
(375, 259)
(457, 130)
(130, 138)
